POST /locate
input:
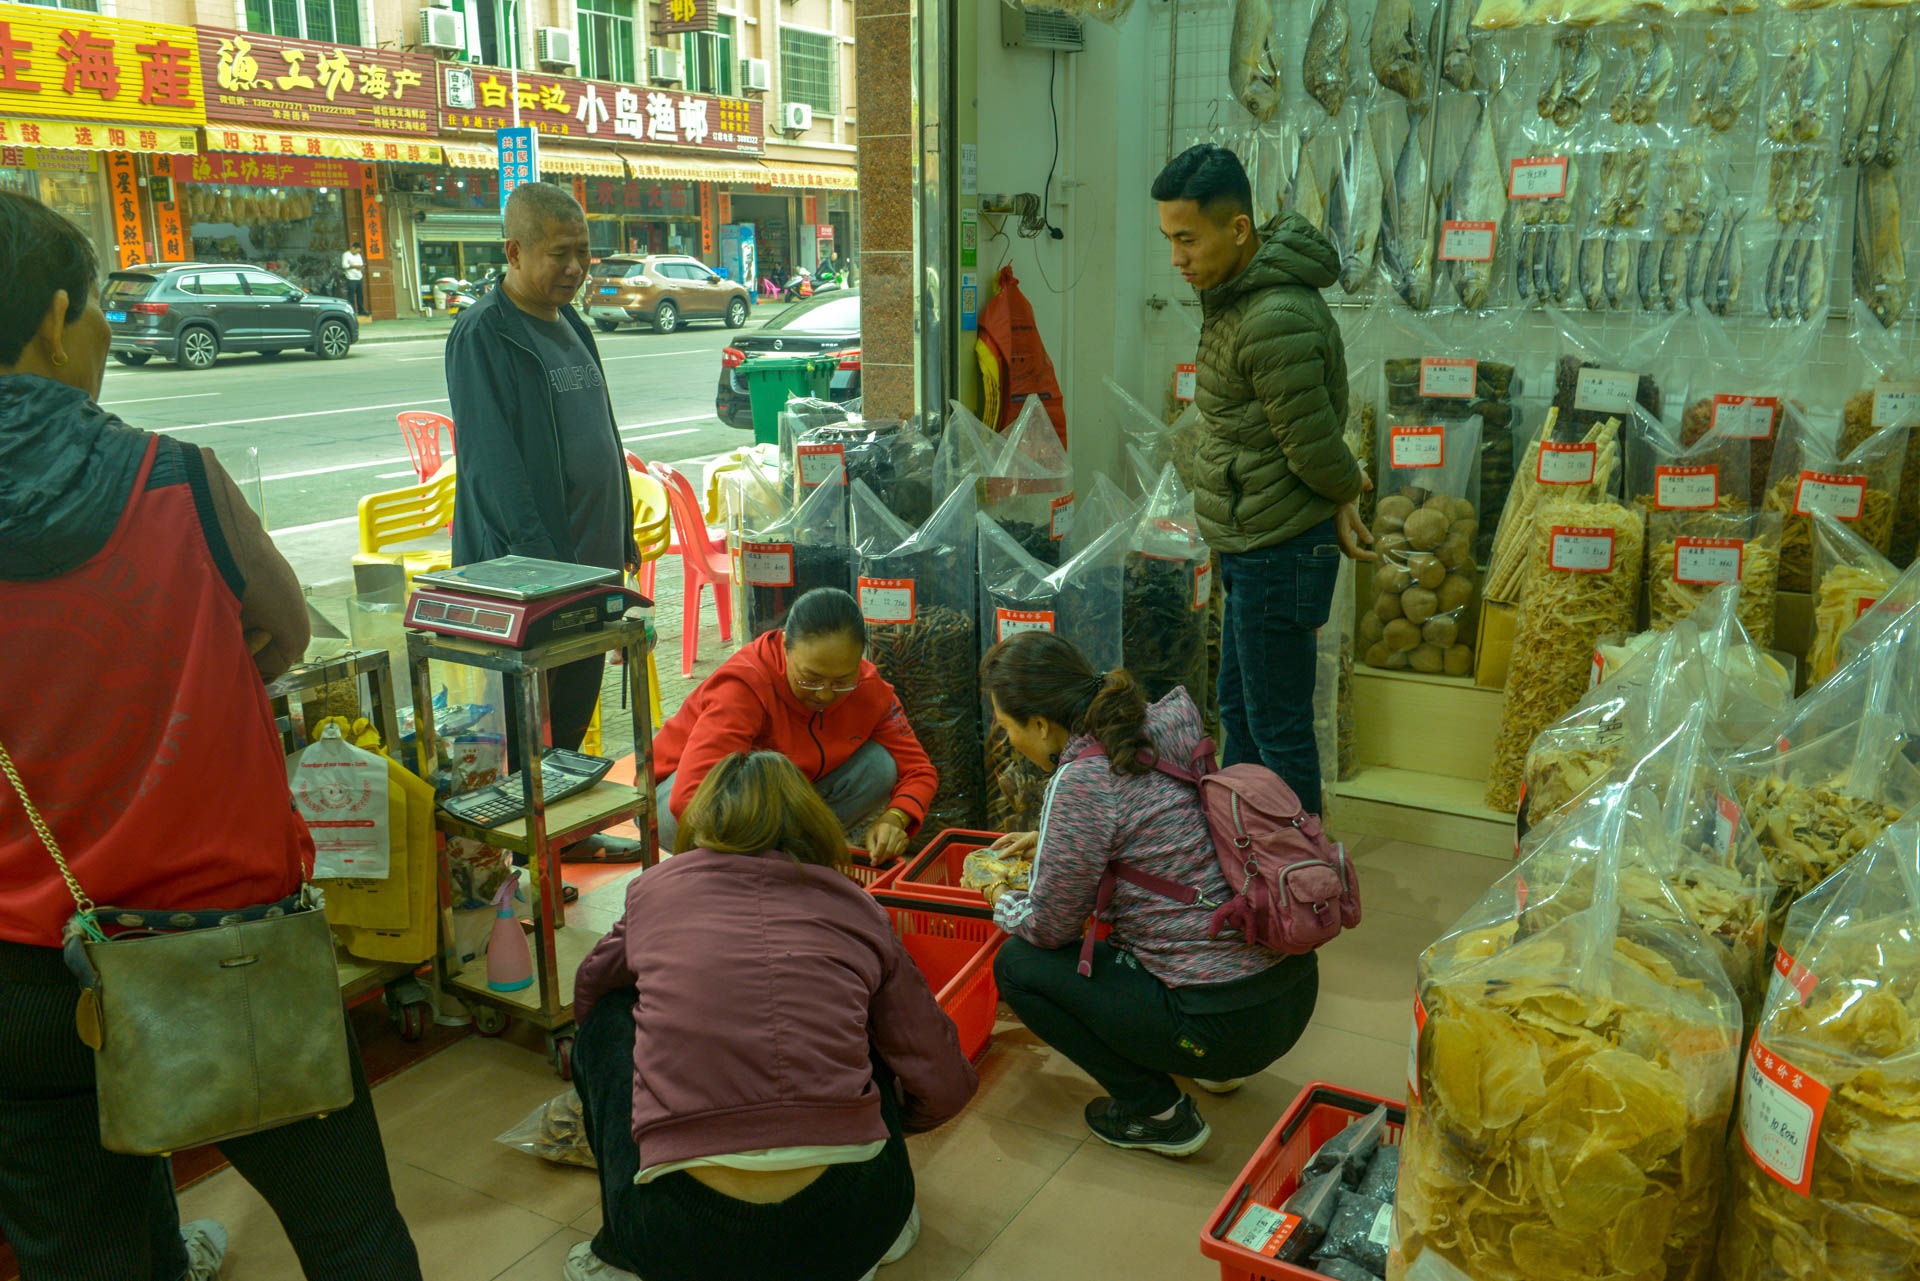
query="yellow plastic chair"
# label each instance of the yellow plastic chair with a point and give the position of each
(406, 515)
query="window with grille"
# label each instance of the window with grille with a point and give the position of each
(82, 6)
(710, 59)
(606, 40)
(809, 62)
(331, 21)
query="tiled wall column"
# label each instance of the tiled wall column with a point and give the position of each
(883, 55)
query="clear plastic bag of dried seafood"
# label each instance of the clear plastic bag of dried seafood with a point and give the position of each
(803, 548)
(1332, 688)
(1427, 518)
(1028, 487)
(1886, 363)
(1811, 471)
(1095, 511)
(1826, 1163)
(1663, 475)
(1149, 439)
(1849, 579)
(916, 591)
(1556, 467)
(554, 1131)
(1693, 553)
(1746, 380)
(1573, 1078)
(1602, 375)
(1169, 587)
(1831, 774)
(967, 450)
(894, 458)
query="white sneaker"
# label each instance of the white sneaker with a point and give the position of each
(584, 1265)
(908, 1238)
(1221, 1087)
(206, 1242)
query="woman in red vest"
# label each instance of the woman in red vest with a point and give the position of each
(143, 605)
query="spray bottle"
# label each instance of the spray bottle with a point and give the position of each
(509, 963)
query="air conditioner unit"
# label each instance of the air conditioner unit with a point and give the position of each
(442, 29)
(666, 66)
(1036, 26)
(554, 47)
(795, 117)
(756, 75)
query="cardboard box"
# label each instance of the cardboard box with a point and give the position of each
(1493, 648)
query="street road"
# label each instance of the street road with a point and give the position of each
(325, 430)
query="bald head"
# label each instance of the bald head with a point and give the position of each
(547, 249)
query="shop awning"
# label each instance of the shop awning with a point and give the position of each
(333, 146)
(808, 177)
(471, 155)
(656, 165)
(583, 161)
(75, 135)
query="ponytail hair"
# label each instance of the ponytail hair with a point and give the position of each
(1039, 674)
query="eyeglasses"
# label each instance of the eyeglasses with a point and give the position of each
(838, 687)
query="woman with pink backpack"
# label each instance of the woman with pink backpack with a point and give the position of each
(1170, 992)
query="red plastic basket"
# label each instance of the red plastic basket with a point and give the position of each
(1273, 1173)
(934, 874)
(873, 879)
(955, 952)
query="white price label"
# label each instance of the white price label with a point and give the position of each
(1263, 1229)
(1686, 488)
(1382, 1230)
(767, 564)
(1203, 584)
(1745, 417)
(1843, 497)
(1896, 405)
(886, 600)
(1581, 551)
(1707, 562)
(1466, 241)
(819, 463)
(1537, 178)
(1780, 1112)
(1418, 447)
(1184, 379)
(1605, 391)
(1566, 464)
(1449, 376)
(1011, 622)
(1061, 522)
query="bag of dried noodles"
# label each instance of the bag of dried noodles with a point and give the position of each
(1693, 553)
(1811, 472)
(1573, 1076)
(1849, 578)
(1826, 1167)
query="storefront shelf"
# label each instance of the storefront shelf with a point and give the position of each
(1424, 808)
(570, 947)
(600, 806)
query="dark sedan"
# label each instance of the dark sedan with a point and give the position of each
(829, 323)
(191, 312)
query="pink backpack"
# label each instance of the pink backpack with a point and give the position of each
(1295, 888)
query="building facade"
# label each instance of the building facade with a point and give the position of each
(281, 132)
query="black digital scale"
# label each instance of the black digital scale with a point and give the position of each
(518, 601)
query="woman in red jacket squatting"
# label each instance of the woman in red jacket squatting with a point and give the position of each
(809, 693)
(754, 1042)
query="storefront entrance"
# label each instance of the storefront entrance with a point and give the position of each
(287, 214)
(68, 182)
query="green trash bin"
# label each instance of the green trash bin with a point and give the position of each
(771, 380)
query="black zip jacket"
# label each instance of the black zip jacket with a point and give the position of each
(512, 497)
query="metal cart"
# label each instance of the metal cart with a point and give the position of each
(409, 1003)
(538, 838)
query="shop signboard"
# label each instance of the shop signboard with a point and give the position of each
(69, 65)
(300, 84)
(267, 171)
(129, 219)
(686, 15)
(519, 159)
(49, 161)
(480, 99)
(271, 142)
(706, 220)
(64, 135)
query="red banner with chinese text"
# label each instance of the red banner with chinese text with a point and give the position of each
(129, 218)
(267, 171)
(374, 214)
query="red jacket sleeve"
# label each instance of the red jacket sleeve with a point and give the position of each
(731, 723)
(919, 1044)
(919, 780)
(603, 969)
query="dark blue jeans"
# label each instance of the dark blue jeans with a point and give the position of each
(1277, 598)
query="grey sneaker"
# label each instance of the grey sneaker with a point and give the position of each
(584, 1265)
(1181, 1134)
(206, 1242)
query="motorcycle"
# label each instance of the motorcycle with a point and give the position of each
(798, 287)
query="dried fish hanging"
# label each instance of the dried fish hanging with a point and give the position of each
(806, 548)
(916, 592)
(1849, 578)
(1826, 1168)
(1572, 1079)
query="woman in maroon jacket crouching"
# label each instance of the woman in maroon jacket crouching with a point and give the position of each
(754, 1041)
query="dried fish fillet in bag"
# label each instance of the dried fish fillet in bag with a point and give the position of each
(1813, 471)
(1849, 579)
(1692, 554)
(1826, 1159)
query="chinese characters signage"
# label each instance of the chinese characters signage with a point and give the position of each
(519, 159)
(168, 231)
(129, 221)
(69, 136)
(267, 171)
(479, 98)
(375, 214)
(685, 15)
(315, 146)
(54, 62)
(297, 84)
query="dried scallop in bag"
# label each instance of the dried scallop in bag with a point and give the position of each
(1825, 1182)
(1849, 579)
(1572, 1082)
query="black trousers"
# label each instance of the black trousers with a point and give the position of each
(1132, 1033)
(571, 693)
(355, 294)
(73, 1211)
(679, 1229)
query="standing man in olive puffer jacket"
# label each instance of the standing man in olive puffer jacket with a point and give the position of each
(1275, 486)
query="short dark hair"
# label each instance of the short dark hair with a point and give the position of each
(1212, 177)
(535, 206)
(822, 612)
(41, 253)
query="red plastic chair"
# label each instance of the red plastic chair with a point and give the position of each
(422, 431)
(703, 563)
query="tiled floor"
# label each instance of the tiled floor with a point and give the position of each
(1014, 1189)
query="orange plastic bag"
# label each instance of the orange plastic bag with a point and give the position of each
(1006, 326)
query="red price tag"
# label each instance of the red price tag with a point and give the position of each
(1184, 379)
(1780, 1111)
(1866, 603)
(1466, 241)
(1843, 497)
(767, 564)
(1449, 376)
(1581, 551)
(1537, 178)
(1061, 522)
(1707, 562)
(1413, 1046)
(1566, 464)
(1203, 584)
(1011, 622)
(1413, 447)
(1798, 977)
(820, 463)
(886, 600)
(1747, 417)
(1686, 488)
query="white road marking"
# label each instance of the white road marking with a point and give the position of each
(662, 435)
(325, 471)
(321, 524)
(667, 422)
(655, 355)
(314, 413)
(393, 475)
(143, 400)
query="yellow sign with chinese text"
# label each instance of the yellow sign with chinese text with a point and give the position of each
(65, 135)
(70, 65)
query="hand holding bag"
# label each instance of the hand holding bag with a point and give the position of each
(204, 1025)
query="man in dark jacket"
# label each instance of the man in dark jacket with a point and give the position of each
(1275, 486)
(542, 472)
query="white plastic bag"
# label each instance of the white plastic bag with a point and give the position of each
(341, 792)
